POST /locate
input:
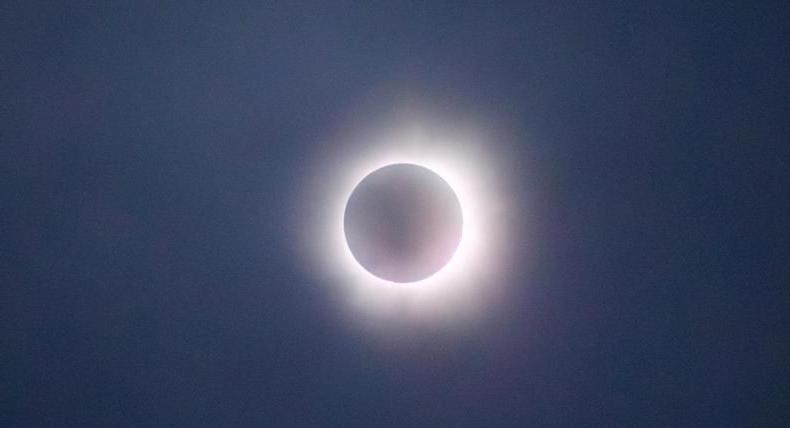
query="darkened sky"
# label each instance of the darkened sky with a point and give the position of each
(151, 153)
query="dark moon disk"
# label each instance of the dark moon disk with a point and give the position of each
(403, 223)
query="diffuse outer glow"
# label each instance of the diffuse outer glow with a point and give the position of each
(462, 158)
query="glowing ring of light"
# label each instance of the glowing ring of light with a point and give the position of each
(463, 159)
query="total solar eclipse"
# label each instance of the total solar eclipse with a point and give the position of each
(410, 220)
(403, 223)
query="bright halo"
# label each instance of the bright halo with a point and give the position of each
(474, 272)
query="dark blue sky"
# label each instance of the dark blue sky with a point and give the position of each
(151, 151)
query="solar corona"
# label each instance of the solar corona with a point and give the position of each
(409, 220)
